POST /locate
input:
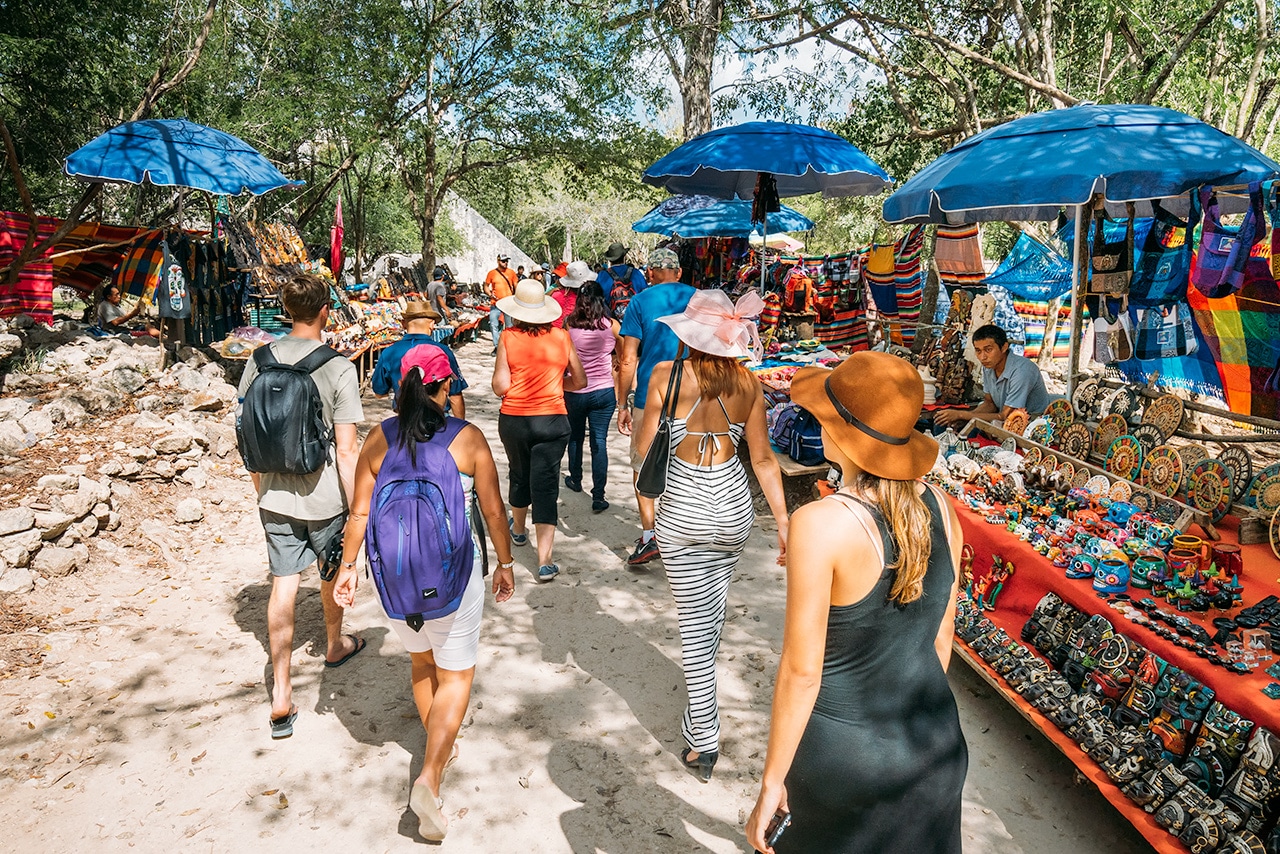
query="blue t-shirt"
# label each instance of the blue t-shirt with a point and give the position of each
(386, 374)
(657, 342)
(1020, 386)
(606, 278)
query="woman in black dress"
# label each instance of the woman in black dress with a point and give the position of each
(865, 748)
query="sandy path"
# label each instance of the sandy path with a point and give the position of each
(146, 728)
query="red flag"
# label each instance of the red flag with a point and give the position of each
(335, 242)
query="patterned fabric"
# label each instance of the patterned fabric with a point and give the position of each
(958, 254)
(1032, 271)
(139, 272)
(33, 292)
(908, 280)
(1034, 315)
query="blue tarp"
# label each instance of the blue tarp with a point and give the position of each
(1032, 271)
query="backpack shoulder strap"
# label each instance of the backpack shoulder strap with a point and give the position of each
(452, 427)
(316, 358)
(263, 356)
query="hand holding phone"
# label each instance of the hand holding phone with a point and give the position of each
(781, 821)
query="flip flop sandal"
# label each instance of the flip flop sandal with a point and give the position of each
(517, 539)
(432, 825)
(360, 644)
(283, 727)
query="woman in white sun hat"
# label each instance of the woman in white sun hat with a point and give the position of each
(705, 514)
(565, 293)
(536, 365)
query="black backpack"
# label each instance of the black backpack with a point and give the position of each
(281, 428)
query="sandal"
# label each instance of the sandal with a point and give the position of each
(282, 727)
(432, 825)
(360, 644)
(517, 539)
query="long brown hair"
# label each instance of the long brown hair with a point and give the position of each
(909, 523)
(718, 375)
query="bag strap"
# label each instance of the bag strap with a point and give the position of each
(263, 356)
(316, 358)
(673, 386)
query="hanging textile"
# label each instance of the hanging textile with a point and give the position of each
(33, 292)
(84, 271)
(139, 271)
(908, 279)
(958, 254)
(1034, 315)
(1032, 271)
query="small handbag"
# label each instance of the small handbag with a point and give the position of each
(1113, 338)
(1224, 250)
(1163, 265)
(1112, 261)
(651, 482)
(1166, 333)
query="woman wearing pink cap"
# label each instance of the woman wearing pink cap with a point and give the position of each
(705, 514)
(443, 651)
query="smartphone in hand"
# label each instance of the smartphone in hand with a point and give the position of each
(781, 821)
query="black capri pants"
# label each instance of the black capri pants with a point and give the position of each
(535, 445)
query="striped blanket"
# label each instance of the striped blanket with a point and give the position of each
(908, 280)
(958, 254)
(33, 292)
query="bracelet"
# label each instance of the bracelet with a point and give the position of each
(348, 563)
(509, 565)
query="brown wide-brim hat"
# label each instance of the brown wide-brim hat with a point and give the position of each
(414, 310)
(869, 406)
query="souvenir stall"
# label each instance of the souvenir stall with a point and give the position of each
(1113, 592)
(410, 283)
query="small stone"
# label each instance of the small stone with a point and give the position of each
(195, 478)
(76, 505)
(149, 403)
(13, 408)
(141, 454)
(113, 521)
(13, 439)
(86, 527)
(111, 468)
(189, 510)
(67, 412)
(118, 446)
(16, 580)
(149, 421)
(131, 469)
(86, 458)
(17, 549)
(37, 423)
(59, 482)
(120, 491)
(15, 519)
(127, 379)
(9, 344)
(101, 511)
(162, 469)
(52, 524)
(173, 443)
(57, 562)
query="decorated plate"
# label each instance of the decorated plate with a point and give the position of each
(1060, 413)
(1149, 435)
(1098, 485)
(1041, 432)
(1165, 412)
(1162, 470)
(1237, 459)
(1251, 497)
(1110, 428)
(1210, 488)
(1049, 463)
(1142, 500)
(1191, 454)
(1081, 478)
(1075, 440)
(1125, 402)
(1124, 457)
(1017, 421)
(1030, 457)
(1167, 510)
(1085, 397)
(1067, 470)
(1120, 491)
(1267, 497)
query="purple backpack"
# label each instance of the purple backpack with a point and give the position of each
(417, 540)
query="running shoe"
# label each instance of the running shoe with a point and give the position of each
(547, 572)
(646, 550)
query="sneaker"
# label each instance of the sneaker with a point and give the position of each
(517, 539)
(547, 572)
(599, 505)
(572, 485)
(646, 550)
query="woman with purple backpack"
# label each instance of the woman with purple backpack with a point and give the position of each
(443, 649)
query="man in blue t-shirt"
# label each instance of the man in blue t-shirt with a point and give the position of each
(1009, 381)
(645, 343)
(419, 320)
(617, 272)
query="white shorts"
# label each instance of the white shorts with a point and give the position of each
(455, 639)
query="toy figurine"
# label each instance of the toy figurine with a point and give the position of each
(995, 580)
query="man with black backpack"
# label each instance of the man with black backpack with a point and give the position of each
(620, 280)
(300, 404)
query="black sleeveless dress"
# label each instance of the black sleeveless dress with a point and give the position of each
(882, 762)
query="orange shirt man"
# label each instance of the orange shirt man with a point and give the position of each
(500, 283)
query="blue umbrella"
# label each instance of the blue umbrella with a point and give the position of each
(1031, 168)
(176, 153)
(704, 216)
(725, 163)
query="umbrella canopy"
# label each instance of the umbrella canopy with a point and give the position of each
(785, 242)
(726, 162)
(176, 153)
(1031, 168)
(705, 216)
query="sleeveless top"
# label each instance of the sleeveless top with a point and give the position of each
(537, 364)
(595, 350)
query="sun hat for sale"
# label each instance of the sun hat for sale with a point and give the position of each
(530, 304)
(429, 359)
(577, 274)
(616, 252)
(664, 259)
(716, 325)
(869, 406)
(414, 310)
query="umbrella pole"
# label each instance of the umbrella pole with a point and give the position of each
(764, 244)
(1078, 260)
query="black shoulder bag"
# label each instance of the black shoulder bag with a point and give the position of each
(651, 482)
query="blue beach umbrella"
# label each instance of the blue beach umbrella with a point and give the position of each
(705, 216)
(176, 153)
(726, 163)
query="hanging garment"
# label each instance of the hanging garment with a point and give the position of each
(1163, 265)
(1034, 315)
(958, 254)
(1165, 333)
(908, 280)
(173, 300)
(139, 271)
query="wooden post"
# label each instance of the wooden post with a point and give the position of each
(1078, 283)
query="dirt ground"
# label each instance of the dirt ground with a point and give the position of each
(134, 712)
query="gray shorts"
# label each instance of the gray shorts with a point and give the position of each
(294, 544)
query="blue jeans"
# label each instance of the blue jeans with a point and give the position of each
(594, 409)
(497, 322)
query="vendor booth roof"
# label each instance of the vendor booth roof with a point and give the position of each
(1033, 167)
(705, 216)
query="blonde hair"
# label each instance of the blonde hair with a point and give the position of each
(909, 524)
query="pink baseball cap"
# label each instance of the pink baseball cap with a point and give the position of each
(428, 358)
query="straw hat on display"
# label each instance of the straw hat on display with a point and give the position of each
(717, 326)
(577, 274)
(530, 304)
(414, 310)
(869, 406)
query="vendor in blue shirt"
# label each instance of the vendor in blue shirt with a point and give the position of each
(1009, 380)
(419, 320)
(619, 271)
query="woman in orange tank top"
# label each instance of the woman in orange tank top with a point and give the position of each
(536, 364)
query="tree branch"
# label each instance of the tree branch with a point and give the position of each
(1175, 56)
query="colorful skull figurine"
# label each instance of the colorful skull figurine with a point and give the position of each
(1112, 576)
(1121, 512)
(1082, 566)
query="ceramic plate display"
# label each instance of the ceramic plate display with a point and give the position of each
(1251, 496)
(1081, 478)
(1120, 491)
(1241, 464)
(1067, 470)
(1060, 413)
(1210, 488)
(1191, 454)
(1124, 457)
(1075, 440)
(1098, 485)
(1030, 457)
(1267, 497)
(1162, 470)
(1041, 432)
(1165, 412)
(1110, 428)
(1086, 397)
(1016, 422)
(1049, 463)
(1141, 500)
(1126, 403)
(1166, 510)
(1149, 435)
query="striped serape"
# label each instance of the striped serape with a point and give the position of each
(958, 254)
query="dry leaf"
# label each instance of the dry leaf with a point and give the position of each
(282, 804)
(65, 681)
(195, 759)
(191, 811)
(462, 812)
(30, 725)
(270, 791)
(50, 715)
(194, 725)
(139, 590)
(113, 696)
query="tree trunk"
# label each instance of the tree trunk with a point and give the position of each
(699, 39)
(431, 202)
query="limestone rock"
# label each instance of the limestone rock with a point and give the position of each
(120, 492)
(13, 408)
(162, 469)
(37, 423)
(195, 478)
(111, 468)
(17, 549)
(52, 524)
(113, 521)
(13, 439)
(141, 454)
(149, 403)
(149, 421)
(99, 396)
(127, 378)
(15, 520)
(57, 562)
(67, 412)
(189, 510)
(102, 512)
(57, 482)
(131, 469)
(9, 344)
(76, 505)
(86, 527)
(214, 372)
(16, 579)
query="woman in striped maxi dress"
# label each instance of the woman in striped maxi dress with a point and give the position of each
(705, 515)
